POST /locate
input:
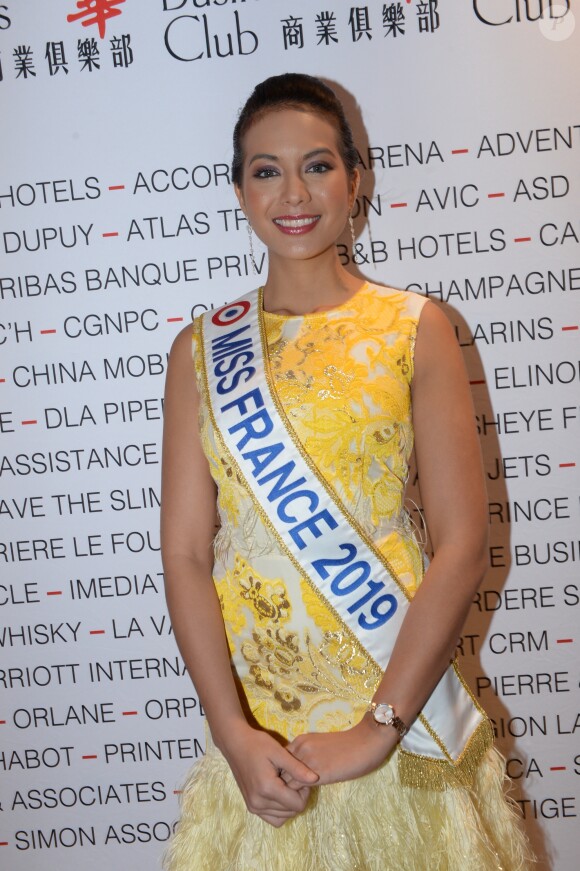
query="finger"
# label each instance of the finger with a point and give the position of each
(302, 791)
(292, 783)
(306, 755)
(284, 798)
(272, 812)
(298, 770)
(273, 820)
(277, 798)
(269, 803)
(294, 745)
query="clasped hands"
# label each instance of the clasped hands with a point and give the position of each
(275, 781)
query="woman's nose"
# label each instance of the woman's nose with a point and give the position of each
(295, 190)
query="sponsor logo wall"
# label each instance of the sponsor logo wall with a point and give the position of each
(118, 223)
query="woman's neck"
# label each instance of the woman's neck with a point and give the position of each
(296, 287)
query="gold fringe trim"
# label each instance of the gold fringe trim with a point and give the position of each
(422, 772)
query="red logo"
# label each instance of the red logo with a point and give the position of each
(96, 12)
(229, 314)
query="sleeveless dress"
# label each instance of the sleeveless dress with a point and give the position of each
(343, 378)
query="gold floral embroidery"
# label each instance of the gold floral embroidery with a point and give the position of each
(276, 666)
(269, 599)
(336, 649)
(288, 680)
(293, 674)
(242, 588)
(344, 381)
(402, 362)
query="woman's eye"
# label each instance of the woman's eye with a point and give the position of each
(319, 167)
(265, 172)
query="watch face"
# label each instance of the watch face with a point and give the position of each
(384, 714)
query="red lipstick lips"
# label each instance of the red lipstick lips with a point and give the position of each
(296, 225)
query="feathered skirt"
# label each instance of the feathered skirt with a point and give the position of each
(373, 823)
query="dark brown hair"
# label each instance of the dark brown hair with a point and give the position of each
(293, 91)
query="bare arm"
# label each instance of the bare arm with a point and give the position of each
(454, 501)
(187, 529)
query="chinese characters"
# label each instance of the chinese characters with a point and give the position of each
(362, 23)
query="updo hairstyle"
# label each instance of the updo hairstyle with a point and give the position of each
(293, 91)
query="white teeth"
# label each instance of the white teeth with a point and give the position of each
(295, 222)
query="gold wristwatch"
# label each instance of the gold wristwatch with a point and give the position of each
(384, 715)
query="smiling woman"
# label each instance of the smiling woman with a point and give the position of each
(296, 190)
(318, 638)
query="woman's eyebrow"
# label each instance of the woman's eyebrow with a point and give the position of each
(307, 156)
(263, 157)
(318, 151)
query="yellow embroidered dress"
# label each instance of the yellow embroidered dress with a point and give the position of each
(343, 378)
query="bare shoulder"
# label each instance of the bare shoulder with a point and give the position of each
(434, 327)
(181, 393)
(181, 347)
(436, 348)
(181, 367)
(442, 402)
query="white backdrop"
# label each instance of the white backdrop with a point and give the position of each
(118, 221)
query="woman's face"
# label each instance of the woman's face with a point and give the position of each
(296, 191)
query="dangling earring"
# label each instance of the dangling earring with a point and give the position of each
(352, 233)
(251, 244)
